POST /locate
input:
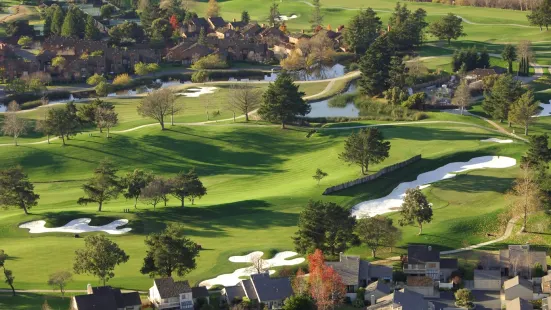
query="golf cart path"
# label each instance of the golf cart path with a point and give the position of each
(440, 14)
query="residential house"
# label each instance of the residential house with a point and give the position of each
(519, 304)
(376, 290)
(487, 280)
(216, 22)
(236, 25)
(106, 298)
(520, 260)
(188, 54)
(423, 260)
(169, 294)
(250, 31)
(273, 35)
(200, 292)
(423, 285)
(357, 273)
(518, 287)
(283, 49)
(546, 284)
(226, 33)
(294, 38)
(403, 299)
(196, 24)
(260, 287)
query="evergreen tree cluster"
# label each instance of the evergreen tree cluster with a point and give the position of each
(470, 59)
(524, 67)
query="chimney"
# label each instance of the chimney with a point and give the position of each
(89, 290)
(263, 25)
(373, 301)
(388, 28)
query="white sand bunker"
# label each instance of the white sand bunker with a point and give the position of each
(496, 140)
(285, 17)
(394, 200)
(230, 279)
(546, 110)
(196, 92)
(77, 226)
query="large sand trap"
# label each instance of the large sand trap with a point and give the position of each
(230, 279)
(546, 110)
(196, 92)
(77, 226)
(394, 200)
(496, 140)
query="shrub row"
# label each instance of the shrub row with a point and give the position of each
(21, 98)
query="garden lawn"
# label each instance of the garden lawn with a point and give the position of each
(34, 301)
(258, 179)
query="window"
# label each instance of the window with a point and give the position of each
(350, 288)
(431, 265)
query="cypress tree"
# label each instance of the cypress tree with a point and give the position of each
(69, 27)
(374, 66)
(91, 31)
(57, 20)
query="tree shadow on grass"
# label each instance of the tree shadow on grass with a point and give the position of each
(467, 183)
(416, 132)
(213, 221)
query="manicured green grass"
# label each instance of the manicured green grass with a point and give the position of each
(258, 180)
(34, 301)
(313, 88)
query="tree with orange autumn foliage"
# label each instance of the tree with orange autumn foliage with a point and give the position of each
(326, 285)
(174, 22)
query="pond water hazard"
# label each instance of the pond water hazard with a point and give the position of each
(322, 108)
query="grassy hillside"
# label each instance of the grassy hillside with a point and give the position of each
(258, 180)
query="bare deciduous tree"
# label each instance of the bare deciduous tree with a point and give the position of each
(525, 196)
(157, 105)
(462, 96)
(524, 50)
(106, 118)
(259, 265)
(244, 98)
(13, 125)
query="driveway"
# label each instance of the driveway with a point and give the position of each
(483, 300)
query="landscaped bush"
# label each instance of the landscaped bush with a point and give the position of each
(122, 79)
(212, 61)
(420, 116)
(22, 98)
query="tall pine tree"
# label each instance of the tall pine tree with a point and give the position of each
(374, 66)
(91, 32)
(57, 20)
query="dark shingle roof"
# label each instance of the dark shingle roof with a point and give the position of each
(448, 263)
(217, 22)
(348, 268)
(169, 288)
(249, 289)
(199, 292)
(131, 299)
(487, 274)
(96, 302)
(378, 271)
(271, 288)
(233, 292)
(410, 300)
(420, 254)
(379, 286)
(200, 22)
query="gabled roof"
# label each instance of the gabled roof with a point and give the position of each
(517, 281)
(233, 292)
(519, 304)
(271, 288)
(487, 274)
(200, 22)
(199, 292)
(169, 288)
(376, 271)
(420, 254)
(379, 286)
(122, 300)
(249, 289)
(408, 300)
(348, 268)
(96, 302)
(131, 299)
(546, 278)
(217, 22)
